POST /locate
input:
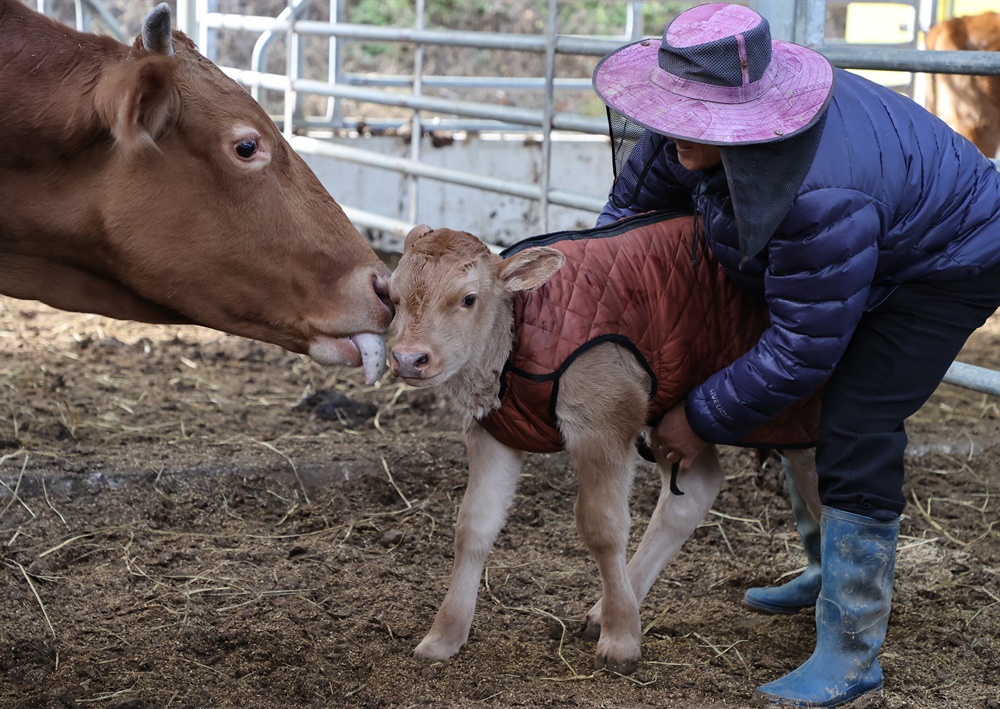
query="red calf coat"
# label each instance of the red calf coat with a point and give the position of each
(647, 284)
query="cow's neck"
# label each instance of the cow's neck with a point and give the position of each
(56, 107)
(53, 147)
(475, 389)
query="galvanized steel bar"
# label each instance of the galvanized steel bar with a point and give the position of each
(465, 82)
(810, 26)
(263, 43)
(922, 60)
(416, 125)
(206, 38)
(974, 377)
(334, 114)
(551, 32)
(95, 8)
(187, 17)
(82, 14)
(293, 66)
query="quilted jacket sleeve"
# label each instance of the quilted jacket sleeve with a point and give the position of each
(821, 266)
(646, 183)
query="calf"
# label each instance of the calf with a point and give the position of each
(969, 104)
(142, 183)
(579, 341)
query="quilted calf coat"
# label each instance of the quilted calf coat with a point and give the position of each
(893, 195)
(634, 283)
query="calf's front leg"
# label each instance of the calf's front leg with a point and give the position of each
(602, 518)
(672, 522)
(493, 474)
(602, 408)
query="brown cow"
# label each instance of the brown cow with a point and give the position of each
(969, 104)
(142, 183)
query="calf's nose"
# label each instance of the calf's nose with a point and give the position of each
(409, 364)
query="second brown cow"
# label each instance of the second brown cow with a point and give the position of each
(969, 104)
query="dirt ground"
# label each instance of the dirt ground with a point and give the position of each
(182, 525)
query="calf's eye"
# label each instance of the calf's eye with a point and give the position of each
(246, 148)
(469, 300)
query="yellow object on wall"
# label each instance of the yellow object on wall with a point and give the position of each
(880, 23)
(958, 8)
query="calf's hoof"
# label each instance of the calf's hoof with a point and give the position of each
(618, 659)
(618, 667)
(436, 649)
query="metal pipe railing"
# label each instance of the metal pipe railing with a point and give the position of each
(507, 114)
(845, 57)
(970, 376)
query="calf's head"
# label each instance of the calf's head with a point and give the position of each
(454, 304)
(211, 214)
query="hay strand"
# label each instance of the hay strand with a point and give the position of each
(31, 585)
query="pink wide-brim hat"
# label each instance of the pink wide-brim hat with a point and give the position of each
(717, 77)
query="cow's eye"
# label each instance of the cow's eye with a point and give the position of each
(246, 148)
(469, 300)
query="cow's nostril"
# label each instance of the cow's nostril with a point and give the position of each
(421, 361)
(380, 284)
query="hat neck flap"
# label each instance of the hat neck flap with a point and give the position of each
(764, 180)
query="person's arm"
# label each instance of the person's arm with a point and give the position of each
(817, 284)
(645, 183)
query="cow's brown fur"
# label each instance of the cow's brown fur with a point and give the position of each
(969, 104)
(122, 195)
(440, 338)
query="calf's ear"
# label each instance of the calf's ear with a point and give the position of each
(530, 269)
(415, 233)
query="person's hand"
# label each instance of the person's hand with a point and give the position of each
(674, 440)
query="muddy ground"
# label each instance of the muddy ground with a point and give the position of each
(181, 529)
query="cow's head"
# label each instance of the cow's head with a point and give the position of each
(211, 214)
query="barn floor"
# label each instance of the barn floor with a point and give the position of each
(176, 532)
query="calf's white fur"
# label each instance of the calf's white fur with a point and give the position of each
(453, 326)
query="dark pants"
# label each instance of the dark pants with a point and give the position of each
(894, 362)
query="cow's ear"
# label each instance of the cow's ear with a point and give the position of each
(137, 98)
(530, 269)
(156, 36)
(415, 233)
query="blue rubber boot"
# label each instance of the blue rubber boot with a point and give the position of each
(852, 613)
(801, 591)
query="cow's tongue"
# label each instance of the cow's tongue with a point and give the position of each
(372, 349)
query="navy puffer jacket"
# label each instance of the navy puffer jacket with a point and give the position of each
(893, 195)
